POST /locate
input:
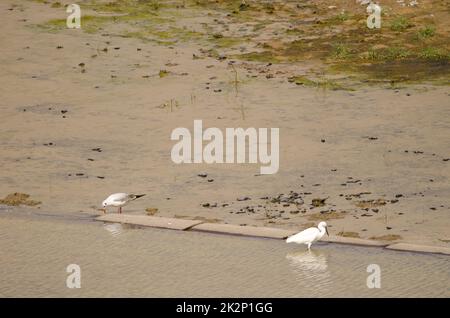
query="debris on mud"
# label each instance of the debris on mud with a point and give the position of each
(151, 211)
(318, 202)
(290, 198)
(349, 234)
(370, 203)
(17, 198)
(331, 215)
(387, 237)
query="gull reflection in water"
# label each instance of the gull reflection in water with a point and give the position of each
(311, 269)
(115, 229)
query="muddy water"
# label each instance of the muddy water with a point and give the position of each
(120, 261)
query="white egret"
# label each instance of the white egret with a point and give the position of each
(119, 200)
(309, 235)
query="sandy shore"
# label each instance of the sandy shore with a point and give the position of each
(81, 122)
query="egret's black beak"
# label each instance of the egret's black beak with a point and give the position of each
(326, 230)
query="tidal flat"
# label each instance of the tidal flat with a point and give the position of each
(363, 114)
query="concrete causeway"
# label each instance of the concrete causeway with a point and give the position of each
(255, 231)
(150, 221)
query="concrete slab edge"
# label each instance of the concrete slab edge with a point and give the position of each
(258, 231)
(150, 221)
(254, 231)
(353, 241)
(407, 247)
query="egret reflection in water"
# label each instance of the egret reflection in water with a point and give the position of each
(311, 269)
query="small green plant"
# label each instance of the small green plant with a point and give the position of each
(337, 19)
(341, 51)
(343, 16)
(426, 32)
(396, 53)
(432, 53)
(400, 24)
(373, 54)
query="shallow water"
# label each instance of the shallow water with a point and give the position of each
(117, 260)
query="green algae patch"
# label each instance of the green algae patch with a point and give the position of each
(326, 84)
(387, 237)
(53, 25)
(137, 13)
(163, 73)
(433, 68)
(56, 5)
(131, 7)
(226, 41)
(17, 198)
(89, 24)
(164, 35)
(349, 234)
(411, 45)
(264, 57)
(302, 80)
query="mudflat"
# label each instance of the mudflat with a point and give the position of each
(364, 142)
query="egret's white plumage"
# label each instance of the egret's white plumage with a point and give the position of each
(309, 235)
(119, 200)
